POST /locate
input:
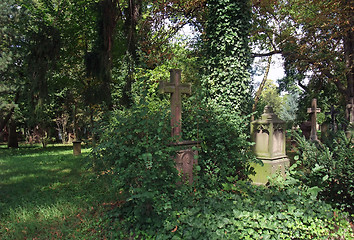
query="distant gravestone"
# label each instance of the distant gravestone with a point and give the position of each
(313, 113)
(329, 125)
(76, 147)
(268, 133)
(186, 157)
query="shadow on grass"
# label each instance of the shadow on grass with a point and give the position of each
(43, 176)
(48, 193)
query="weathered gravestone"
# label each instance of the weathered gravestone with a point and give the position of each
(313, 113)
(186, 157)
(77, 147)
(268, 133)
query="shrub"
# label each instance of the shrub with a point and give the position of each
(224, 140)
(329, 167)
(135, 150)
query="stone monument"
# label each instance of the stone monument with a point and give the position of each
(268, 133)
(77, 147)
(313, 112)
(186, 157)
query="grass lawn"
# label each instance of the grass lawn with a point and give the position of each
(49, 194)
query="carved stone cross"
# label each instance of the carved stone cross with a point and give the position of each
(313, 112)
(176, 88)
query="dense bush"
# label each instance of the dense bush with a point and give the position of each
(224, 140)
(329, 167)
(135, 150)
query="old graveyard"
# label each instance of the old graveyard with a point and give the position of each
(201, 119)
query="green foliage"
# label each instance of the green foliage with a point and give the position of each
(135, 146)
(270, 96)
(330, 168)
(243, 211)
(289, 108)
(225, 149)
(227, 55)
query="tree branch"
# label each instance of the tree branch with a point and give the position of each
(266, 54)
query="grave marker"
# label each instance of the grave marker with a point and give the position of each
(268, 133)
(186, 157)
(313, 113)
(176, 88)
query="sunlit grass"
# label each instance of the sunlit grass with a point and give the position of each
(49, 194)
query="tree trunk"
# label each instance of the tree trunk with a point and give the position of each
(133, 16)
(12, 141)
(261, 86)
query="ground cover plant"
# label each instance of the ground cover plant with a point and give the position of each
(48, 194)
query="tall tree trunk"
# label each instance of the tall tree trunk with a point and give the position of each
(12, 141)
(4, 121)
(133, 16)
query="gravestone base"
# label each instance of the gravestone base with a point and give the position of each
(186, 159)
(269, 168)
(77, 148)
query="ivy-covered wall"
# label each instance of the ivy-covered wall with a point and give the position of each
(227, 78)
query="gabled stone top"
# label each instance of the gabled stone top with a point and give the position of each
(269, 116)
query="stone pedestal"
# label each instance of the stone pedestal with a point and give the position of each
(77, 148)
(186, 159)
(269, 168)
(268, 133)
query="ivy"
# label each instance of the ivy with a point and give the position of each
(227, 78)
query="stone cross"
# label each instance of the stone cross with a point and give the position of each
(176, 88)
(313, 112)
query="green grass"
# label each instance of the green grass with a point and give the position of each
(49, 194)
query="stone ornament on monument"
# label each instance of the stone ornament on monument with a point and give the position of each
(268, 133)
(186, 156)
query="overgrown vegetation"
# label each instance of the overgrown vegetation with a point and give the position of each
(136, 154)
(330, 168)
(46, 193)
